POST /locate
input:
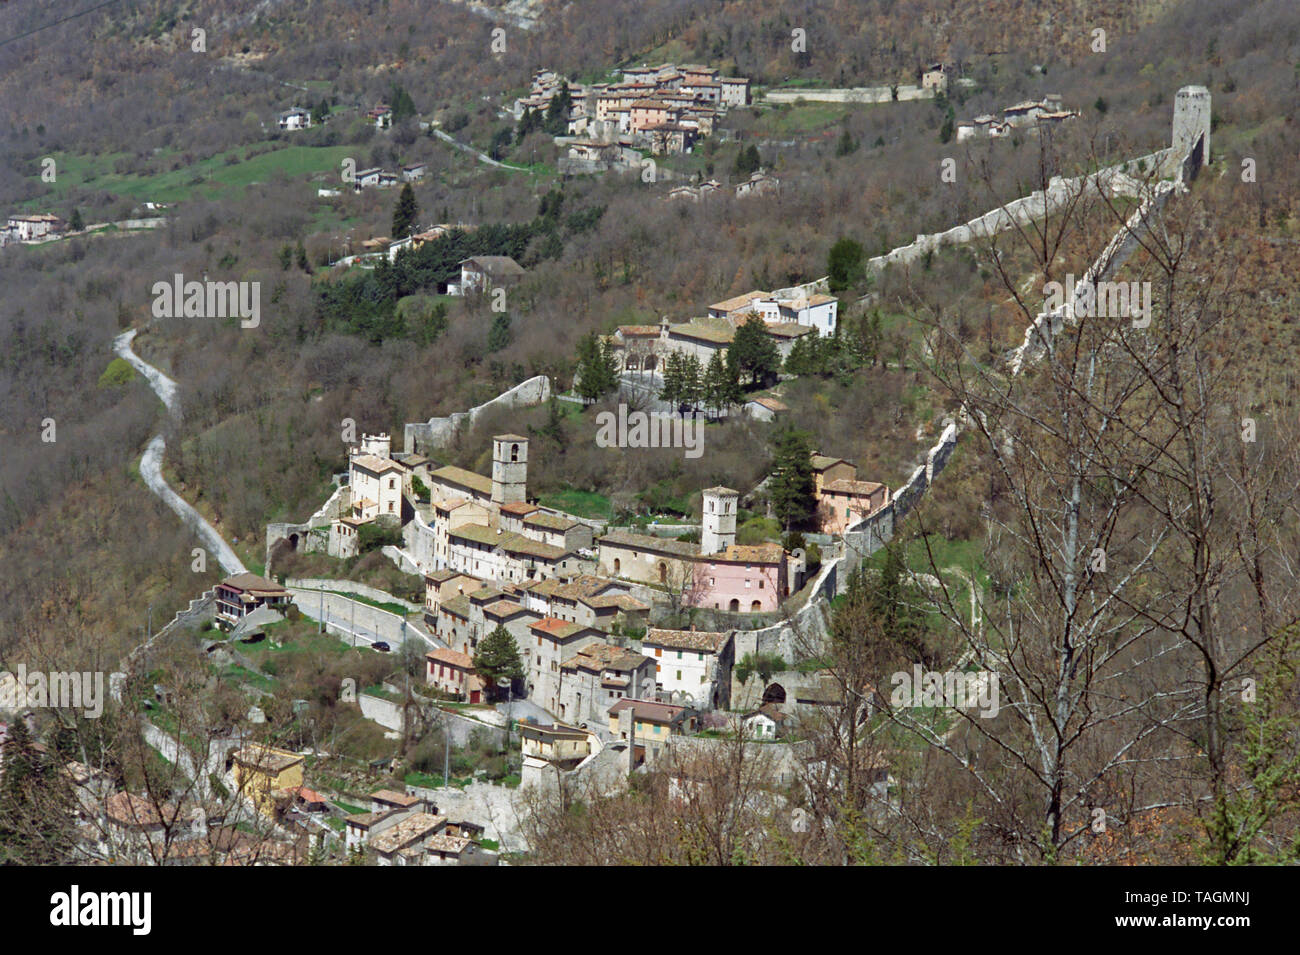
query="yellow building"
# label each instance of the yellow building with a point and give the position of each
(648, 723)
(265, 775)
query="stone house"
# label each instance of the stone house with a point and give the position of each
(483, 273)
(595, 676)
(240, 595)
(687, 662)
(453, 672)
(649, 723)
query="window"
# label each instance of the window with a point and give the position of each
(679, 676)
(679, 654)
(659, 651)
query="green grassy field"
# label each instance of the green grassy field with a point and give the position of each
(218, 177)
(582, 503)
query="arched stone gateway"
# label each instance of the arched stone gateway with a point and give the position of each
(775, 693)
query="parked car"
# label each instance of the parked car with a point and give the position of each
(381, 646)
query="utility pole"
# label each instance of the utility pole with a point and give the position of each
(320, 586)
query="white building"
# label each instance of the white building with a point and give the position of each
(296, 118)
(686, 662)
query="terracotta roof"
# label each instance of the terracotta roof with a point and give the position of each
(708, 641)
(459, 476)
(128, 809)
(605, 656)
(739, 301)
(413, 828)
(394, 797)
(649, 710)
(639, 331)
(457, 606)
(788, 329)
(254, 583)
(267, 758)
(555, 627)
(852, 488)
(503, 608)
(480, 533)
(445, 843)
(519, 508)
(821, 462)
(374, 463)
(723, 491)
(452, 658)
(704, 330)
(757, 554)
(531, 548)
(647, 542)
(495, 265)
(551, 522)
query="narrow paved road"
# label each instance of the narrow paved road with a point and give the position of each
(482, 157)
(151, 462)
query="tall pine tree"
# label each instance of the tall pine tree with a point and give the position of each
(405, 213)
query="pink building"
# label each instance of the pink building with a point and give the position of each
(453, 672)
(844, 503)
(745, 579)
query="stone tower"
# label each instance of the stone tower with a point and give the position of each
(509, 469)
(379, 445)
(1191, 123)
(719, 530)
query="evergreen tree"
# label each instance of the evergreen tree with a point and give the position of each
(403, 106)
(791, 484)
(320, 112)
(846, 144)
(500, 143)
(499, 335)
(405, 213)
(753, 352)
(673, 381)
(597, 373)
(75, 222)
(844, 264)
(497, 657)
(896, 603)
(692, 384)
(557, 112)
(748, 162)
(716, 386)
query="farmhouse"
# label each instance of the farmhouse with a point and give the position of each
(485, 272)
